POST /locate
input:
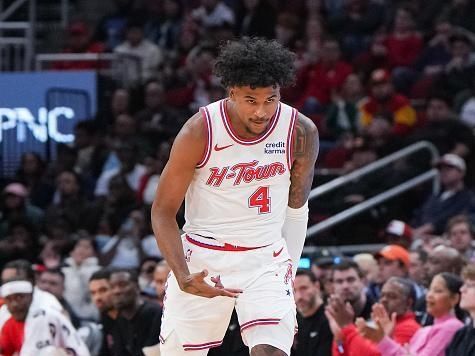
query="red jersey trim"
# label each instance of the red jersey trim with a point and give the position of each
(242, 141)
(255, 322)
(207, 345)
(291, 139)
(224, 247)
(209, 134)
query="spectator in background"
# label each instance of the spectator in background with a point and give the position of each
(349, 287)
(461, 235)
(146, 272)
(160, 276)
(138, 322)
(79, 41)
(101, 295)
(397, 299)
(463, 342)
(164, 22)
(323, 79)
(14, 205)
(111, 27)
(255, 18)
(21, 241)
(157, 121)
(130, 169)
(313, 335)
(36, 329)
(22, 269)
(443, 129)
(454, 198)
(461, 13)
(213, 13)
(52, 281)
(397, 232)
(442, 297)
(384, 102)
(72, 204)
(369, 267)
(417, 272)
(342, 114)
(457, 72)
(356, 24)
(286, 29)
(147, 53)
(31, 173)
(79, 266)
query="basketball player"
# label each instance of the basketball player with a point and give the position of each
(245, 166)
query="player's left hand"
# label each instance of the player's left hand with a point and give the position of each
(195, 284)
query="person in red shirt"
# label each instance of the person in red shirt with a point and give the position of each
(384, 102)
(397, 299)
(319, 81)
(79, 41)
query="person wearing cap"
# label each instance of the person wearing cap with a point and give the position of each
(454, 198)
(31, 330)
(383, 101)
(397, 232)
(15, 206)
(79, 41)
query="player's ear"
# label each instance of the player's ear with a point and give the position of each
(231, 94)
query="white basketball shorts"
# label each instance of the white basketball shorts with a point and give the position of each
(267, 302)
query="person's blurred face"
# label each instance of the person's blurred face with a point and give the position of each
(362, 158)
(52, 283)
(460, 237)
(160, 277)
(170, 8)
(120, 101)
(450, 176)
(382, 90)
(30, 164)
(18, 305)
(101, 294)
(443, 28)
(124, 290)
(437, 110)
(352, 86)
(348, 285)
(437, 262)
(253, 109)
(67, 184)
(20, 237)
(306, 294)
(460, 49)
(440, 301)
(147, 270)
(13, 201)
(330, 52)
(390, 268)
(124, 126)
(313, 28)
(251, 4)
(81, 138)
(78, 41)
(134, 36)
(82, 250)
(416, 268)
(403, 21)
(154, 96)
(393, 298)
(467, 299)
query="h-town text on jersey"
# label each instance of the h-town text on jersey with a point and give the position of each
(244, 172)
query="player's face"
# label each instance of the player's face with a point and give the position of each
(18, 305)
(251, 110)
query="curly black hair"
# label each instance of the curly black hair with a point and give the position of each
(255, 62)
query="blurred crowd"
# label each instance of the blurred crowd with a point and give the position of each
(374, 75)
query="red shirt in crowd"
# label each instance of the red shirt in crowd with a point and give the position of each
(403, 51)
(11, 337)
(355, 344)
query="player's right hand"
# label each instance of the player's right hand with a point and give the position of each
(195, 284)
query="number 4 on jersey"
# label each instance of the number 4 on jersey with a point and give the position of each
(260, 199)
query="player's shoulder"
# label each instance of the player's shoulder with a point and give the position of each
(306, 125)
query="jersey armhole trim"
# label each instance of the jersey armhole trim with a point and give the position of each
(209, 136)
(291, 139)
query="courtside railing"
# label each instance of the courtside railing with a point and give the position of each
(430, 175)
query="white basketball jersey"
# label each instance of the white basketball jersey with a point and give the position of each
(239, 193)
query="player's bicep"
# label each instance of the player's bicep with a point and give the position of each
(186, 152)
(305, 151)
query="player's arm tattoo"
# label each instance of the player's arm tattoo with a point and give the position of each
(305, 154)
